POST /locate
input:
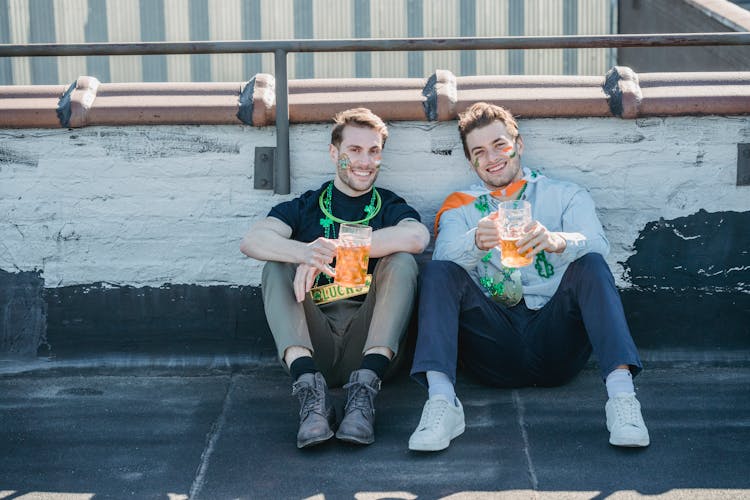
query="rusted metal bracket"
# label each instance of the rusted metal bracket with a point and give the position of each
(263, 177)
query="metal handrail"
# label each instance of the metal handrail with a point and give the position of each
(377, 44)
(280, 49)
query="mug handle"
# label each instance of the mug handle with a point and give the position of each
(327, 267)
(329, 271)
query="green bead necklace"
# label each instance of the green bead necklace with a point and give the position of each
(496, 288)
(324, 202)
(328, 219)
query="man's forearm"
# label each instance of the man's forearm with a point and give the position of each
(458, 248)
(412, 238)
(267, 245)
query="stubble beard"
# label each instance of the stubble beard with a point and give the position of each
(348, 178)
(515, 168)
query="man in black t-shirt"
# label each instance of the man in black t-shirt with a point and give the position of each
(354, 338)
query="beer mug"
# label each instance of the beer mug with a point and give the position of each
(352, 255)
(513, 217)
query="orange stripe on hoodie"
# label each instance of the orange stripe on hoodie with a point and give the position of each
(460, 198)
(454, 200)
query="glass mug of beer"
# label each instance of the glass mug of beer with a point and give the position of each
(513, 217)
(352, 255)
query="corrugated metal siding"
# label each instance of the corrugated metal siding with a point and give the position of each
(441, 19)
(543, 18)
(124, 25)
(75, 21)
(388, 20)
(177, 27)
(336, 20)
(70, 27)
(595, 17)
(225, 23)
(492, 20)
(19, 33)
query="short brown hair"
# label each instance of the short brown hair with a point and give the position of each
(481, 114)
(358, 117)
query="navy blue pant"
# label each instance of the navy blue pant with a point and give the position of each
(517, 346)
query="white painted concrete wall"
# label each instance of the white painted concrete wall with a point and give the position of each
(146, 206)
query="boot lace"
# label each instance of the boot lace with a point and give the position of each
(360, 396)
(310, 398)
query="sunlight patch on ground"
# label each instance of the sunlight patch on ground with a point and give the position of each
(45, 495)
(697, 493)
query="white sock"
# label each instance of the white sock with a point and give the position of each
(620, 381)
(439, 384)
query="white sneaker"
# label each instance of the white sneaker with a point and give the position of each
(441, 421)
(625, 422)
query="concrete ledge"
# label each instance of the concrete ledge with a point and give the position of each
(318, 100)
(674, 94)
(165, 103)
(622, 92)
(30, 106)
(537, 96)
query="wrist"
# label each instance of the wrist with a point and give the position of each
(476, 241)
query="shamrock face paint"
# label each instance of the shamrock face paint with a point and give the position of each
(343, 162)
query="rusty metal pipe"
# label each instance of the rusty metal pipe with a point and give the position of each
(378, 44)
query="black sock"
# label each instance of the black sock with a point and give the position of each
(302, 365)
(377, 363)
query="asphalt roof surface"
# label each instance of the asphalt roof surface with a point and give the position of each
(210, 431)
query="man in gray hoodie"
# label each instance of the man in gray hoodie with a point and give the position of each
(519, 326)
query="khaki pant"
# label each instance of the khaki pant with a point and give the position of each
(338, 333)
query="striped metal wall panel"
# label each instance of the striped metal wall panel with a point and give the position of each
(388, 20)
(74, 21)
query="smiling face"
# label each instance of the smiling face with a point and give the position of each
(357, 159)
(495, 154)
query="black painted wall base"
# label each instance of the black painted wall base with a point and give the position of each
(188, 319)
(688, 320)
(173, 319)
(22, 313)
(691, 283)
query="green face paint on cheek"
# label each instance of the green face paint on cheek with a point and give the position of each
(343, 162)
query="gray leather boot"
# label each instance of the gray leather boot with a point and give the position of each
(316, 413)
(358, 425)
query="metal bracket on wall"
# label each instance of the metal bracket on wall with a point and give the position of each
(743, 164)
(263, 174)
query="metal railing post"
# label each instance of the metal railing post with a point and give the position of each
(281, 162)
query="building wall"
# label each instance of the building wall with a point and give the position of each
(119, 225)
(145, 206)
(676, 16)
(78, 21)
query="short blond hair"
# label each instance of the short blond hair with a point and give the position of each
(480, 115)
(358, 117)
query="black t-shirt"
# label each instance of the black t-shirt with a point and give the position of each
(303, 214)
